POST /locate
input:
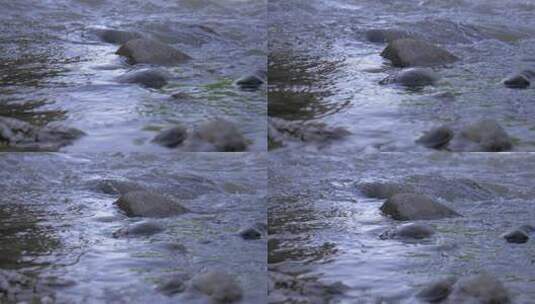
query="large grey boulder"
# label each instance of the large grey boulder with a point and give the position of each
(150, 51)
(222, 135)
(482, 288)
(151, 78)
(149, 204)
(220, 286)
(408, 52)
(411, 206)
(485, 135)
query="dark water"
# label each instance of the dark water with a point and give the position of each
(57, 228)
(323, 69)
(325, 244)
(53, 69)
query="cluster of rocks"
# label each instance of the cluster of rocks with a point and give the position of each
(20, 135)
(403, 203)
(135, 201)
(485, 135)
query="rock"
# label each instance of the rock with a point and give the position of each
(173, 284)
(116, 36)
(250, 234)
(414, 231)
(222, 134)
(482, 136)
(521, 80)
(436, 138)
(24, 136)
(409, 206)
(110, 186)
(481, 288)
(519, 235)
(385, 35)
(413, 77)
(139, 229)
(148, 204)
(410, 52)
(437, 291)
(150, 51)
(220, 286)
(306, 132)
(171, 137)
(151, 78)
(250, 82)
(383, 190)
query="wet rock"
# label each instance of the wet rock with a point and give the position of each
(409, 206)
(250, 234)
(173, 284)
(252, 82)
(382, 190)
(148, 204)
(220, 286)
(482, 288)
(385, 35)
(139, 229)
(519, 235)
(413, 77)
(306, 132)
(150, 78)
(409, 52)
(437, 291)
(150, 51)
(171, 137)
(482, 136)
(436, 138)
(116, 36)
(110, 186)
(21, 135)
(222, 134)
(414, 231)
(521, 80)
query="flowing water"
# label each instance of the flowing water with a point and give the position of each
(325, 244)
(57, 227)
(53, 69)
(323, 69)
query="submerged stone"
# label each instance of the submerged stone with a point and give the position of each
(385, 35)
(110, 186)
(410, 206)
(410, 52)
(436, 138)
(519, 235)
(437, 291)
(116, 36)
(151, 78)
(150, 51)
(219, 285)
(173, 284)
(250, 82)
(382, 190)
(250, 234)
(148, 204)
(171, 137)
(413, 77)
(414, 231)
(521, 80)
(139, 229)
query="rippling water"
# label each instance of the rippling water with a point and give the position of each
(52, 69)
(322, 68)
(56, 227)
(325, 244)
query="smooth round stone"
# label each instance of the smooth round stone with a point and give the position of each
(171, 137)
(250, 234)
(139, 229)
(150, 78)
(219, 285)
(150, 51)
(410, 206)
(437, 291)
(482, 288)
(149, 204)
(436, 138)
(408, 52)
(414, 231)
